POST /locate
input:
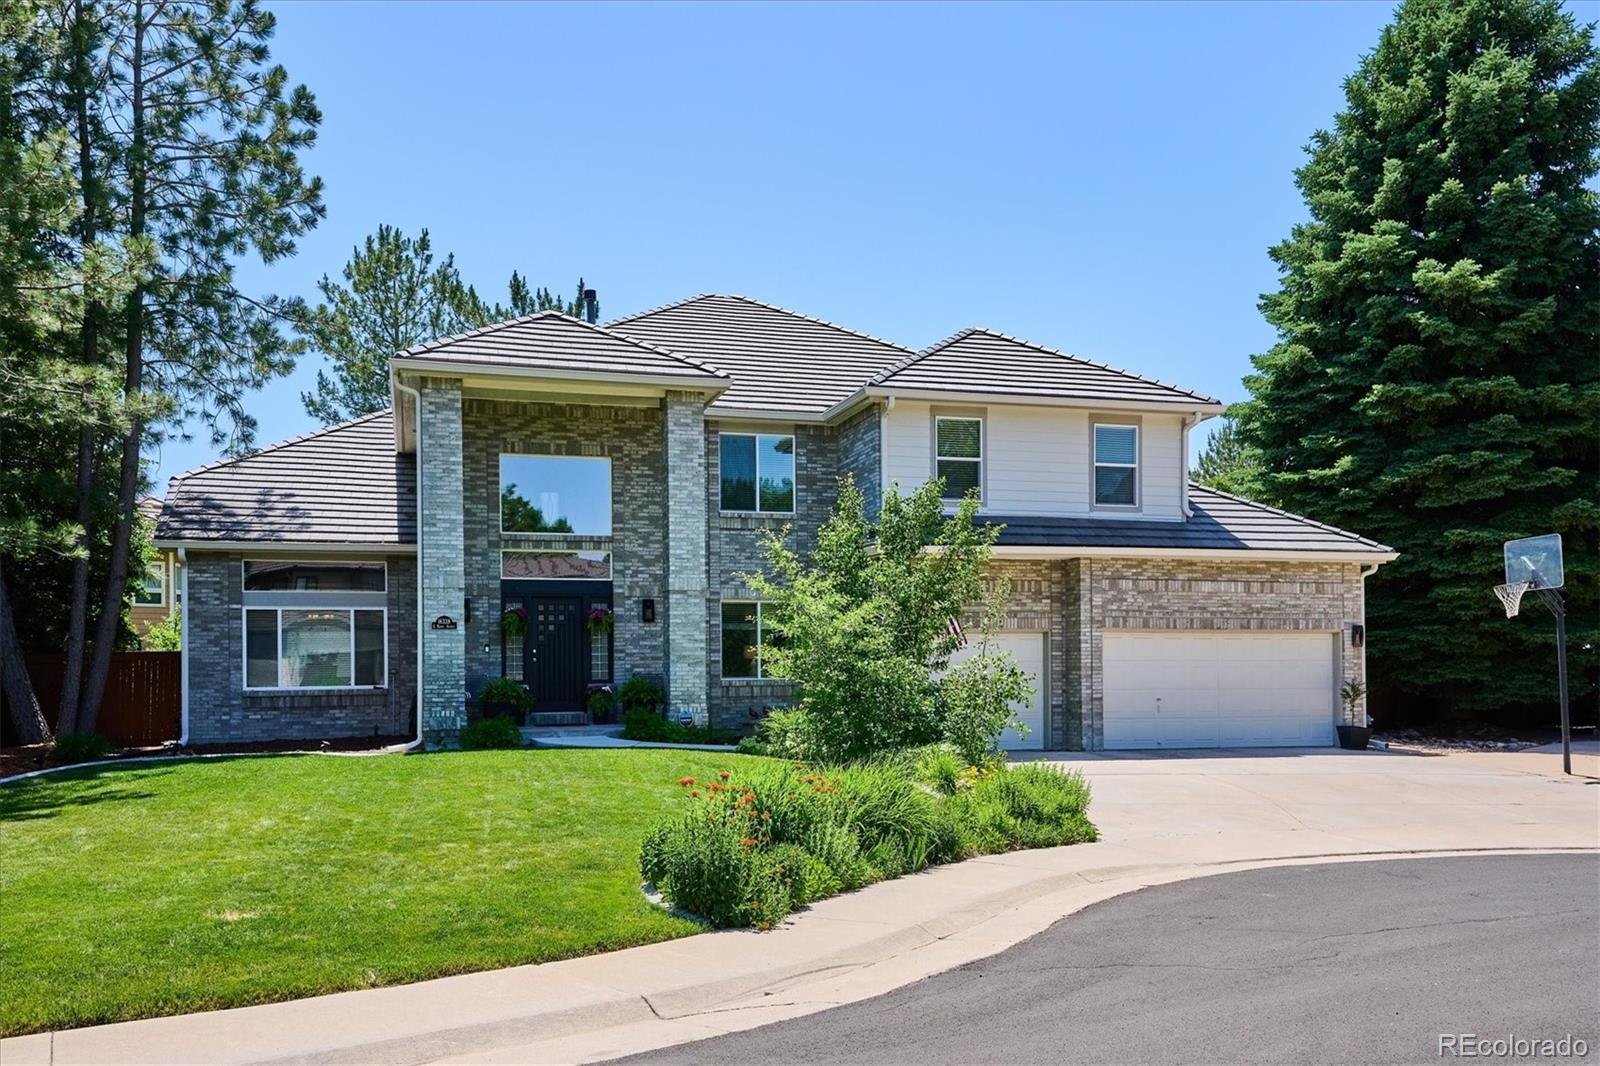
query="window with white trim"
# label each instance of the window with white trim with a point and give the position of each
(1116, 465)
(757, 471)
(744, 634)
(315, 625)
(152, 590)
(958, 454)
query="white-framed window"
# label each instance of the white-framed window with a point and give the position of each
(744, 634)
(757, 471)
(152, 590)
(315, 647)
(555, 494)
(315, 624)
(958, 454)
(1116, 465)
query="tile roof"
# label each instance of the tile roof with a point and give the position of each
(779, 360)
(149, 507)
(982, 361)
(340, 485)
(1221, 522)
(550, 340)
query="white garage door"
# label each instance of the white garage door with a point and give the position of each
(1028, 650)
(1209, 690)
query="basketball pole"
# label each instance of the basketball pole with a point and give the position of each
(1552, 600)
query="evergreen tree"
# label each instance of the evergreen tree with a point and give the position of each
(394, 296)
(1229, 464)
(1436, 383)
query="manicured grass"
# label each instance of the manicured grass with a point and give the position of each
(172, 887)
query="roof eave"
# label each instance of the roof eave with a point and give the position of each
(1176, 405)
(707, 383)
(287, 546)
(1049, 551)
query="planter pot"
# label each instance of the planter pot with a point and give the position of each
(1353, 737)
(504, 710)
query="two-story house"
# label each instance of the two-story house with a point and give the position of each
(612, 483)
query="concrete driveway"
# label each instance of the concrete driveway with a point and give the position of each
(1165, 818)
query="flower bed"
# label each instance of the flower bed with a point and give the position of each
(758, 844)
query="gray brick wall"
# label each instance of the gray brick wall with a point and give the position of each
(861, 454)
(633, 438)
(686, 555)
(220, 711)
(444, 583)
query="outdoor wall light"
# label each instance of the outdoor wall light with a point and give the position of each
(1358, 636)
(647, 611)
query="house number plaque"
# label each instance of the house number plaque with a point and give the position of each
(444, 621)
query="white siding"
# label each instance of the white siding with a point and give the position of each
(1037, 458)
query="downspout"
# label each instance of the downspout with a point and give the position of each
(1366, 570)
(1183, 484)
(183, 650)
(416, 400)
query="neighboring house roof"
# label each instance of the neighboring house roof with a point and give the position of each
(149, 507)
(780, 361)
(343, 485)
(980, 361)
(552, 342)
(1221, 522)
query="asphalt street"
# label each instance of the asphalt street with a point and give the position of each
(1356, 962)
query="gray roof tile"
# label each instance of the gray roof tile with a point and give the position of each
(553, 341)
(1221, 522)
(982, 361)
(340, 485)
(779, 360)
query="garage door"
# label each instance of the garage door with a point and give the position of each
(1209, 690)
(1028, 650)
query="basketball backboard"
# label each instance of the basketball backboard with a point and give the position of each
(1536, 560)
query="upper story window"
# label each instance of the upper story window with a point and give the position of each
(314, 625)
(555, 494)
(1116, 465)
(958, 454)
(757, 472)
(152, 590)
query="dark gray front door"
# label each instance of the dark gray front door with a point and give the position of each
(554, 651)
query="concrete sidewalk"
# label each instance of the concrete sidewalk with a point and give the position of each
(1164, 818)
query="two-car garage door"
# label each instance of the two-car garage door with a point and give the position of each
(1215, 689)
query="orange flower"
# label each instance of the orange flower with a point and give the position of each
(749, 842)
(695, 792)
(685, 781)
(724, 775)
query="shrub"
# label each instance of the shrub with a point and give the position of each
(753, 848)
(165, 635)
(507, 692)
(496, 732)
(639, 724)
(602, 703)
(786, 733)
(977, 698)
(939, 767)
(639, 693)
(80, 747)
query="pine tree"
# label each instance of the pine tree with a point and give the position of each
(1436, 384)
(1229, 464)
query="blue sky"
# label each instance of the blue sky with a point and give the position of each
(1101, 178)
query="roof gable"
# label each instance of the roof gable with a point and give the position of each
(552, 341)
(980, 361)
(779, 360)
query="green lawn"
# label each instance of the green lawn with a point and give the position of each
(172, 887)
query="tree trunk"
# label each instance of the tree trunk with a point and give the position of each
(25, 713)
(78, 607)
(94, 685)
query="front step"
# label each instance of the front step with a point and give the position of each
(549, 718)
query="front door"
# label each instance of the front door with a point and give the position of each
(553, 653)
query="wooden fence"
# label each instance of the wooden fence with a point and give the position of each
(143, 703)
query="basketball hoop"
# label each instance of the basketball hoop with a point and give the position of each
(1511, 596)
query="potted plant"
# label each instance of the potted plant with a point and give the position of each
(602, 704)
(598, 620)
(1353, 737)
(505, 698)
(514, 621)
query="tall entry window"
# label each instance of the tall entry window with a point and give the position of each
(555, 494)
(757, 472)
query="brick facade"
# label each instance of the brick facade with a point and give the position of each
(221, 711)
(686, 555)
(444, 549)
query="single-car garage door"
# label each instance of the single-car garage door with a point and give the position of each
(1028, 650)
(1210, 690)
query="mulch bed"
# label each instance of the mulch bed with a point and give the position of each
(27, 758)
(1476, 738)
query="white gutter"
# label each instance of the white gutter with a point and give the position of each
(416, 400)
(1030, 400)
(184, 612)
(1365, 572)
(293, 547)
(701, 382)
(1025, 551)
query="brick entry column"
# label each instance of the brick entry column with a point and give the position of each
(686, 554)
(444, 579)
